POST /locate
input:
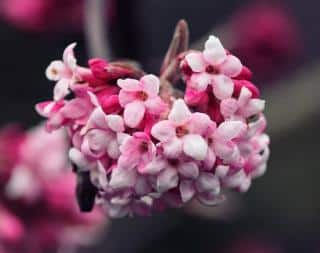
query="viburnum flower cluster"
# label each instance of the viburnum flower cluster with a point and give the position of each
(145, 145)
(38, 211)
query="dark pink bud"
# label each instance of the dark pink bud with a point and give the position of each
(98, 68)
(245, 74)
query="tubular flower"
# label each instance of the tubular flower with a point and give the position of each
(144, 149)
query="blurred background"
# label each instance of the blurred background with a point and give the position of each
(279, 40)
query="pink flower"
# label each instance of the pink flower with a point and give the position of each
(140, 97)
(222, 141)
(183, 132)
(243, 107)
(213, 67)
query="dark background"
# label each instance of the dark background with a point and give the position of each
(282, 207)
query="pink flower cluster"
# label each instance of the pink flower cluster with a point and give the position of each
(145, 152)
(38, 211)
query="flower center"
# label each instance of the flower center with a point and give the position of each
(143, 147)
(54, 71)
(212, 70)
(181, 131)
(141, 95)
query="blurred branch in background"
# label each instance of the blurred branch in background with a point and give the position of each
(96, 28)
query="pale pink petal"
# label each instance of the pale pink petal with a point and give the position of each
(208, 182)
(98, 139)
(244, 97)
(255, 106)
(61, 89)
(173, 148)
(97, 119)
(187, 190)
(55, 70)
(154, 167)
(116, 211)
(222, 87)
(259, 171)
(229, 130)
(196, 62)
(231, 66)
(133, 114)
(200, 81)
(98, 176)
(228, 107)
(122, 178)
(163, 131)
(129, 84)
(214, 53)
(179, 112)
(223, 150)
(235, 180)
(167, 180)
(210, 159)
(199, 123)
(221, 170)
(113, 149)
(75, 108)
(126, 97)
(246, 183)
(142, 186)
(115, 122)
(150, 84)
(68, 56)
(155, 106)
(189, 170)
(195, 146)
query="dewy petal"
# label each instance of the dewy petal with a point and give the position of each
(163, 131)
(133, 114)
(196, 62)
(195, 146)
(229, 130)
(173, 148)
(115, 122)
(150, 84)
(189, 170)
(61, 89)
(167, 180)
(214, 53)
(207, 182)
(155, 106)
(68, 56)
(200, 81)
(231, 66)
(255, 106)
(179, 112)
(187, 190)
(122, 178)
(222, 87)
(55, 70)
(129, 84)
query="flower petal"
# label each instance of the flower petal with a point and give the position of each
(68, 56)
(129, 84)
(133, 114)
(55, 70)
(122, 178)
(208, 182)
(167, 180)
(61, 89)
(156, 106)
(196, 62)
(189, 170)
(255, 106)
(154, 167)
(150, 84)
(222, 87)
(214, 52)
(163, 131)
(200, 81)
(229, 130)
(126, 97)
(228, 107)
(231, 66)
(115, 123)
(179, 112)
(173, 148)
(199, 123)
(187, 190)
(195, 146)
